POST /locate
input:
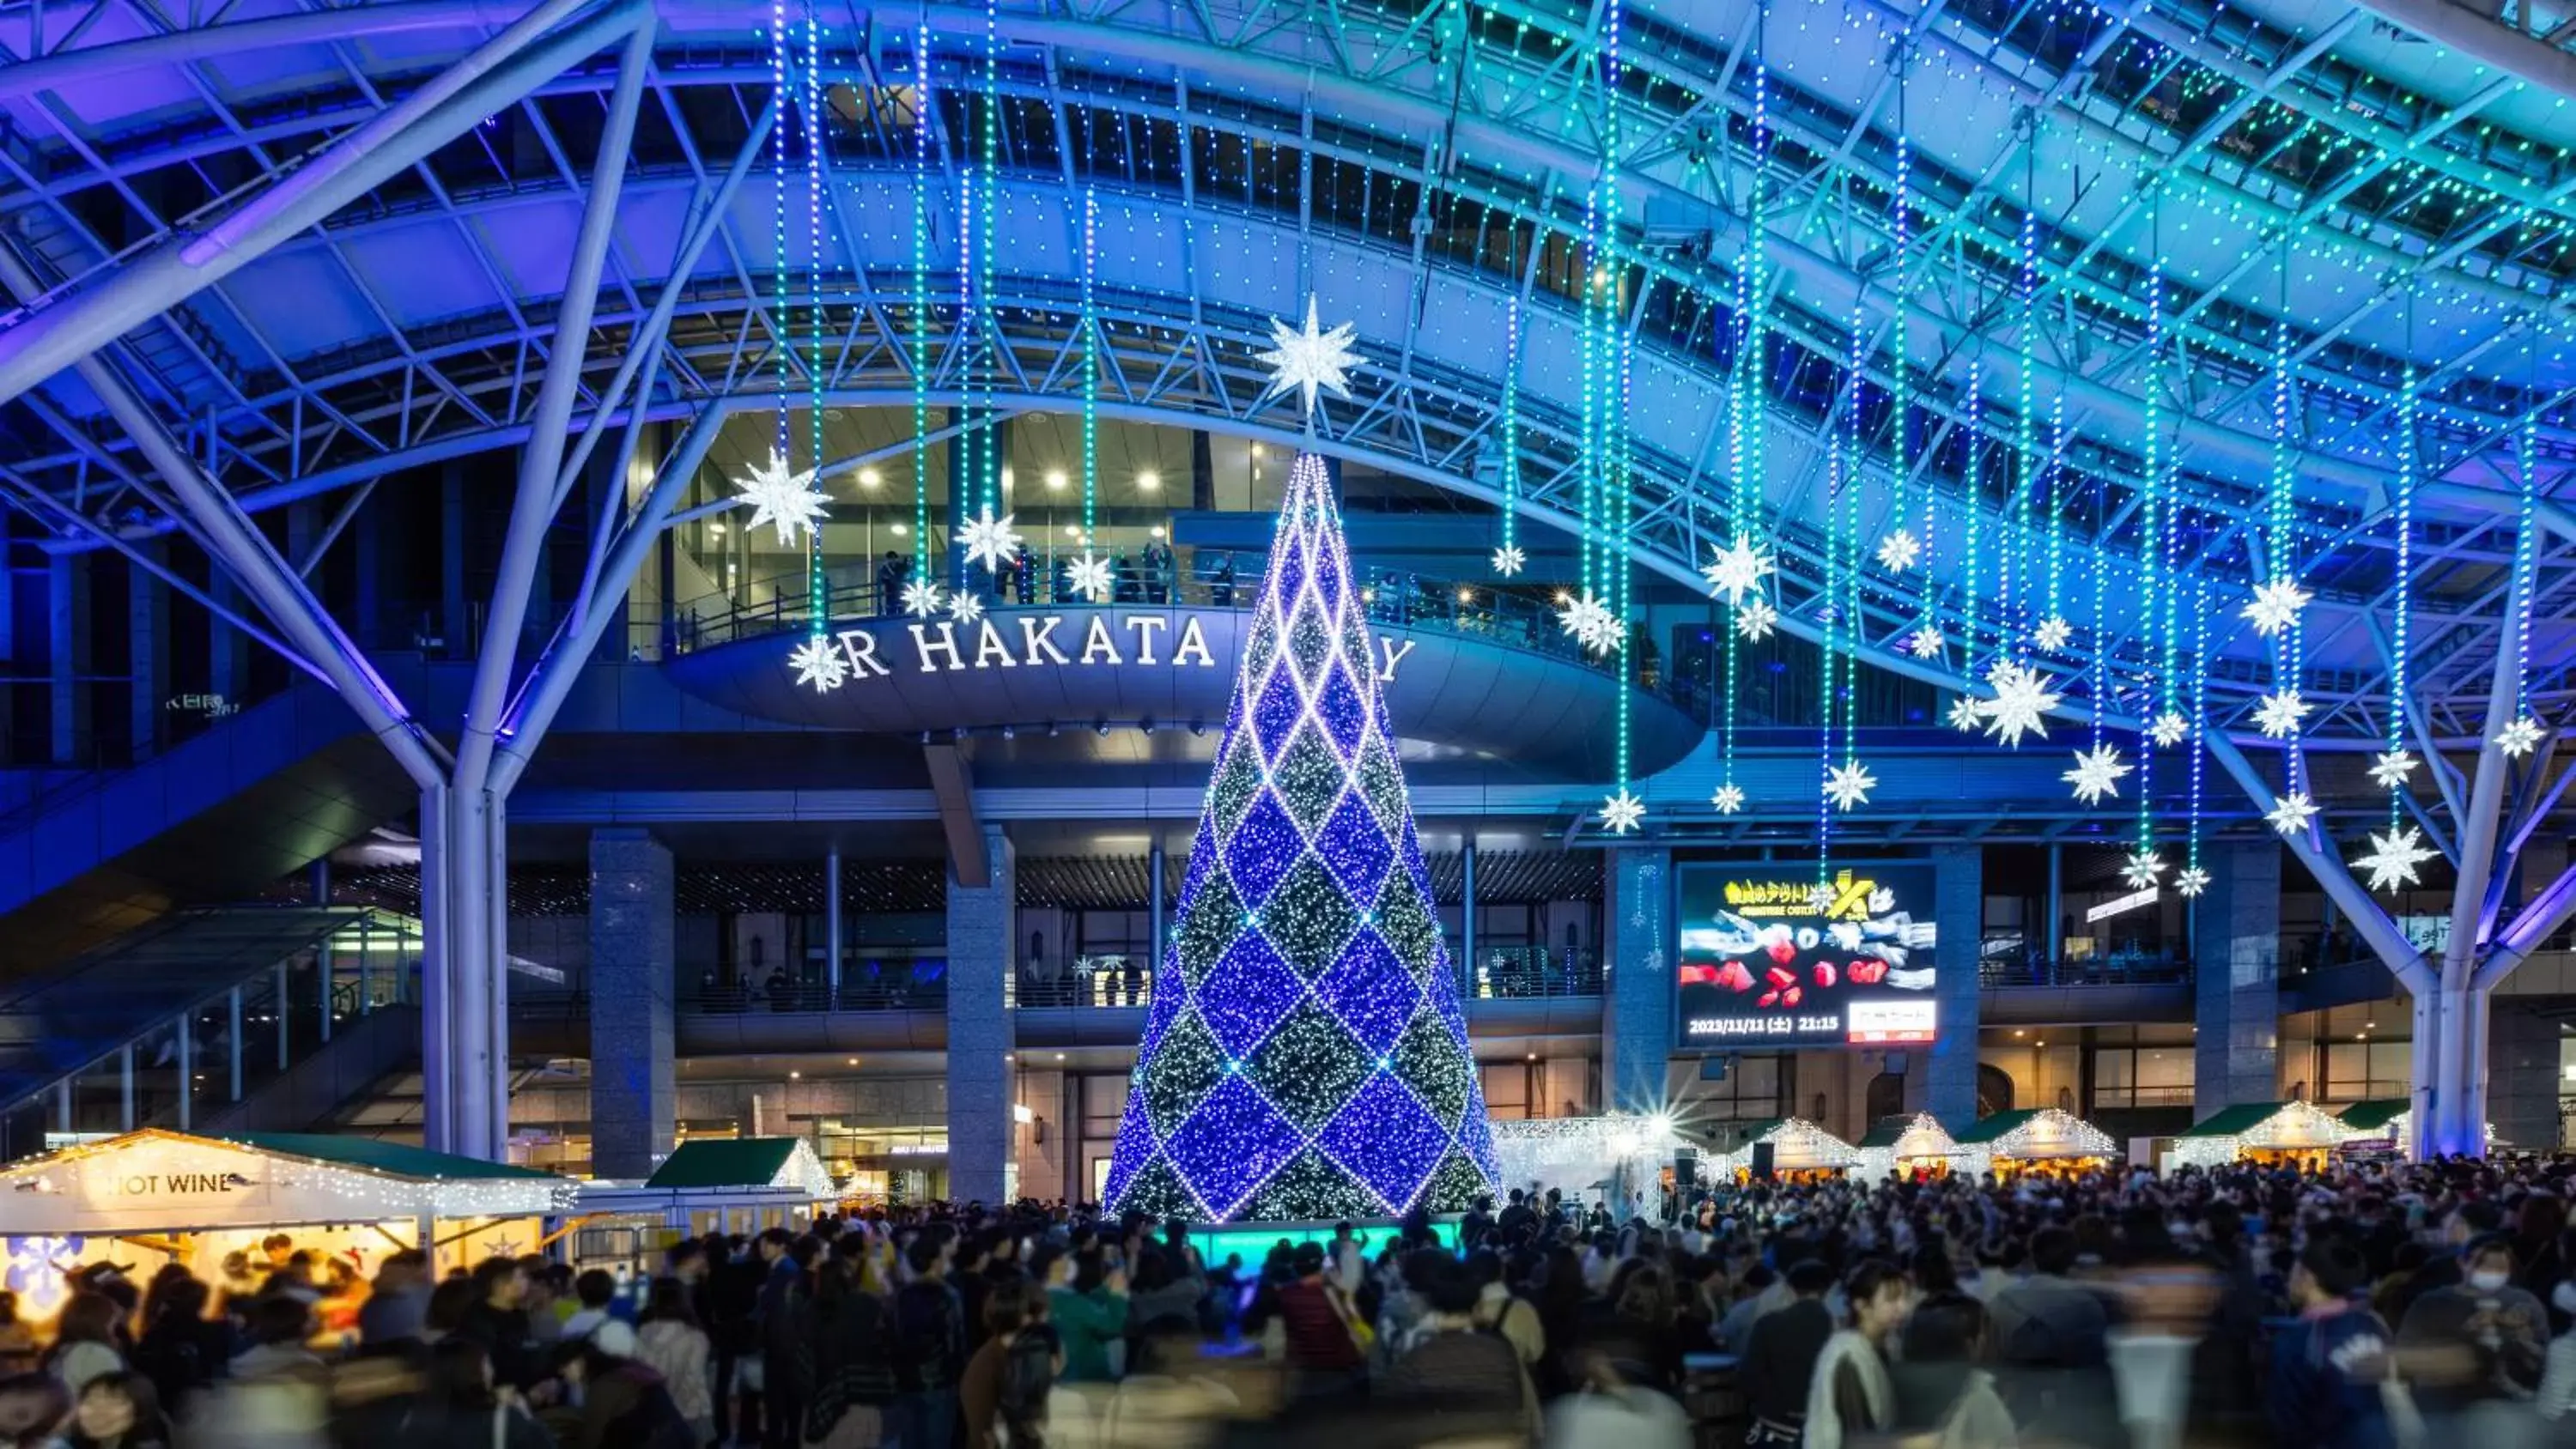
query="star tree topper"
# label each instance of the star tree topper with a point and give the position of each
(1310, 359)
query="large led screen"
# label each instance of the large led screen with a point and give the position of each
(1771, 957)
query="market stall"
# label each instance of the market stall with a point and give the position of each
(1907, 1145)
(150, 1197)
(2040, 1140)
(2379, 1126)
(1801, 1151)
(727, 1185)
(2274, 1134)
(1607, 1158)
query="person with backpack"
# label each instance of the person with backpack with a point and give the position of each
(1003, 1393)
(930, 1348)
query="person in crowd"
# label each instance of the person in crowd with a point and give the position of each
(398, 1307)
(1090, 1317)
(498, 1320)
(1325, 1343)
(19, 1353)
(1939, 1388)
(2329, 1369)
(596, 1319)
(1851, 1396)
(2495, 1334)
(462, 1406)
(1003, 1392)
(1735, 1327)
(1780, 1355)
(280, 1325)
(183, 1349)
(1165, 1284)
(622, 1404)
(1455, 1378)
(1501, 1311)
(85, 1342)
(851, 1351)
(930, 1347)
(118, 1411)
(670, 1342)
(32, 1406)
(784, 1312)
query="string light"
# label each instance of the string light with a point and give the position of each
(922, 361)
(1090, 370)
(2402, 585)
(818, 588)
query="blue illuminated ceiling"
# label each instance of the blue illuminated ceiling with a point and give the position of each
(2423, 205)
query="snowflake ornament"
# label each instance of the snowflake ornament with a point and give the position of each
(2279, 714)
(2393, 858)
(1088, 576)
(1898, 551)
(2276, 606)
(2391, 770)
(990, 541)
(2191, 882)
(1591, 623)
(2052, 635)
(1737, 570)
(782, 498)
(2142, 869)
(1967, 714)
(2096, 774)
(1621, 812)
(1728, 799)
(1756, 620)
(820, 663)
(964, 607)
(1509, 560)
(2520, 737)
(2292, 814)
(1849, 784)
(1308, 359)
(2168, 729)
(922, 598)
(1924, 643)
(2022, 700)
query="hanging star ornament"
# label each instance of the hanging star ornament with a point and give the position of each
(1736, 570)
(1309, 359)
(1967, 714)
(2168, 729)
(2276, 606)
(2279, 714)
(1728, 799)
(782, 498)
(2392, 769)
(922, 598)
(2191, 882)
(990, 541)
(2293, 812)
(820, 663)
(2096, 774)
(2520, 737)
(2052, 635)
(1849, 785)
(2142, 869)
(1591, 623)
(1898, 551)
(1621, 812)
(1924, 643)
(2393, 857)
(1089, 577)
(2022, 699)
(1756, 620)
(964, 607)
(1509, 560)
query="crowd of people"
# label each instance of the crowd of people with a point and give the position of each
(2367, 1307)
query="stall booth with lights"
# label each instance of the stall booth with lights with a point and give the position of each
(1589, 1159)
(1907, 1145)
(2381, 1127)
(150, 1197)
(1801, 1151)
(715, 1185)
(2271, 1134)
(2034, 1140)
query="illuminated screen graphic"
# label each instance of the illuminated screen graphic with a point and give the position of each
(1768, 957)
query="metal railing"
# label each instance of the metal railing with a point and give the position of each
(1519, 973)
(2118, 968)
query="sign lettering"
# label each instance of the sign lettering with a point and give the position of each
(936, 647)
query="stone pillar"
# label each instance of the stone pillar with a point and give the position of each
(2522, 1076)
(1637, 997)
(1942, 1078)
(2236, 935)
(633, 1091)
(983, 930)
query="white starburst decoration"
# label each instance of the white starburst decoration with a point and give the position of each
(964, 607)
(1756, 620)
(2390, 770)
(1089, 577)
(1591, 623)
(1967, 714)
(2279, 714)
(2097, 773)
(1898, 551)
(2142, 868)
(2021, 703)
(2292, 812)
(1509, 560)
(820, 663)
(1849, 784)
(990, 541)
(1924, 643)
(2052, 634)
(1728, 799)
(1621, 812)
(1736, 570)
(2191, 882)
(2393, 857)
(922, 598)
(2168, 729)
(1308, 359)
(782, 498)
(2520, 737)
(2276, 606)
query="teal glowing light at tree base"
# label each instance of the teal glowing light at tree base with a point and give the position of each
(1305, 1056)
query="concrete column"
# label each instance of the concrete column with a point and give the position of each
(983, 927)
(2522, 1076)
(1942, 1078)
(633, 1090)
(1467, 914)
(1637, 999)
(832, 926)
(2236, 928)
(147, 605)
(67, 609)
(453, 623)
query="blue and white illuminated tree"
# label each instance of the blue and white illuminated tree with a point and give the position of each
(1305, 1056)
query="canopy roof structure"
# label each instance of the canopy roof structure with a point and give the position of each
(762, 1162)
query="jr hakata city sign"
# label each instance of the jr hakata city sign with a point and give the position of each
(1046, 641)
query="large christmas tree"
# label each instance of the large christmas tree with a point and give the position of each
(1305, 1056)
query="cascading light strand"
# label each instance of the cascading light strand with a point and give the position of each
(818, 588)
(922, 363)
(1090, 369)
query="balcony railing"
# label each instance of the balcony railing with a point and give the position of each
(2118, 968)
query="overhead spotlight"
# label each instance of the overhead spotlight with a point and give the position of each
(870, 477)
(1055, 480)
(901, 529)
(1101, 728)
(1149, 481)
